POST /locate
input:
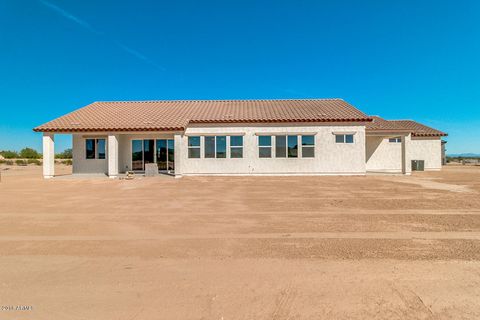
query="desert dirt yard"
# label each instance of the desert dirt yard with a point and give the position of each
(363, 247)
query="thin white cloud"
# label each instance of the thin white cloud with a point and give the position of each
(69, 16)
(138, 55)
(87, 26)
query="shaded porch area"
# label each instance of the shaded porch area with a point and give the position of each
(99, 155)
(387, 152)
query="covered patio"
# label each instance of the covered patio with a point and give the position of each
(387, 147)
(112, 155)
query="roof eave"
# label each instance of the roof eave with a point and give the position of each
(430, 134)
(74, 130)
(278, 120)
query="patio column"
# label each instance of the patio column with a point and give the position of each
(178, 154)
(112, 156)
(48, 155)
(406, 161)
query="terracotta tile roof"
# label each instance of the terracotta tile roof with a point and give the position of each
(380, 124)
(416, 129)
(177, 114)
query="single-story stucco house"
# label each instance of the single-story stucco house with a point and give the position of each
(239, 137)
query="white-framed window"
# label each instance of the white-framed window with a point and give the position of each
(194, 147)
(280, 146)
(286, 146)
(236, 146)
(344, 138)
(308, 146)
(215, 147)
(95, 148)
(395, 140)
(264, 146)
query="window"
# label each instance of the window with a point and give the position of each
(101, 148)
(209, 147)
(236, 147)
(395, 140)
(90, 148)
(221, 146)
(344, 138)
(308, 146)
(265, 146)
(286, 146)
(292, 146)
(280, 146)
(215, 147)
(194, 147)
(95, 148)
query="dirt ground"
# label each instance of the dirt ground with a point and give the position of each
(374, 247)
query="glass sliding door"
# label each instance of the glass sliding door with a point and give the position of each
(137, 154)
(171, 156)
(148, 152)
(165, 155)
(162, 154)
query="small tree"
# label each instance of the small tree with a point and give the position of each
(66, 154)
(7, 154)
(29, 153)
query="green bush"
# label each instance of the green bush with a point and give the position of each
(9, 162)
(66, 154)
(68, 162)
(7, 154)
(29, 153)
(21, 162)
(2, 161)
(34, 161)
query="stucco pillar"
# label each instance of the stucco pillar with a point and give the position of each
(406, 159)
(112, 156)
(48, 155)
(178, 145)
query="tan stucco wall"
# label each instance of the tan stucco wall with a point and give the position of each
(382, 155)
(427, 149)
(83, 165)
(330, 157)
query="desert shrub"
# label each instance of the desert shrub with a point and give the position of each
(29, 153)
(34, 161)
(68, 162)
(66, 154)
(2, 161)
(7, 154)
(21, 162)
(9, 162)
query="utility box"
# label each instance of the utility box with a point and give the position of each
(418, 165)
(151, 170)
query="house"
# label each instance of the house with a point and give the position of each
(239, 137)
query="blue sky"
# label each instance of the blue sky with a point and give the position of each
(398, 59)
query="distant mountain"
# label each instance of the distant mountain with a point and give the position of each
(464, 155)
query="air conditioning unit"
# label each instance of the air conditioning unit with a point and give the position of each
(418, 165)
